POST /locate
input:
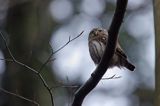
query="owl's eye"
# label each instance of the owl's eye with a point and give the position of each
(100, 30)
(93, 33)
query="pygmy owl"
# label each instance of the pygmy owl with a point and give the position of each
(98, 38)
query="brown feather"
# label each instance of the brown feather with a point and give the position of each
(97, 42)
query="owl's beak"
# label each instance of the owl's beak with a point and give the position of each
(96, 33)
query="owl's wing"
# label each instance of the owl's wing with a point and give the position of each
(120, 52)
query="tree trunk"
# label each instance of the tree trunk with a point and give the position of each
(157, 46)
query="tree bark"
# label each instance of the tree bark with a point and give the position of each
(156, 4)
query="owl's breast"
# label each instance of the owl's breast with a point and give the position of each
(96, 50)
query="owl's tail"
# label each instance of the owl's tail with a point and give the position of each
(129, 66)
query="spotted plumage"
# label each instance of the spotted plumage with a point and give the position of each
(98, 38)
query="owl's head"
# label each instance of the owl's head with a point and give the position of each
(97, 32)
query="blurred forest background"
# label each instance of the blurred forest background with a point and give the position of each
(30, 27)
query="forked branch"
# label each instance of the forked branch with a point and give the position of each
(13, 59)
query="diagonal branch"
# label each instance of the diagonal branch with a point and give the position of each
(112, 77)
(18, 96)
(29, 68)
(10, 53)
(54, 52)
(49, 89)
(97, 75)
(69, 40)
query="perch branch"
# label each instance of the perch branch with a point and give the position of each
(97, 75)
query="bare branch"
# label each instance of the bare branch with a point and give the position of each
(64, 86)
(70, 40)
(47, 87)
(50, 56)
(10, 60)
(35, 71)
(48, 59)
(112, 77)
(20, 97)
(5, 42)
(52, 59)
(97, 75)
(29, 68)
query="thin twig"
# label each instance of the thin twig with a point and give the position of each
(69, 40)
(47, 87)
(7, 46)
(48, 59)
(33, 70)
(10, 60)
(52, 59)
(112, 77)
(18, 96)
(29, 68)
(52, 53)
(64, 86)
